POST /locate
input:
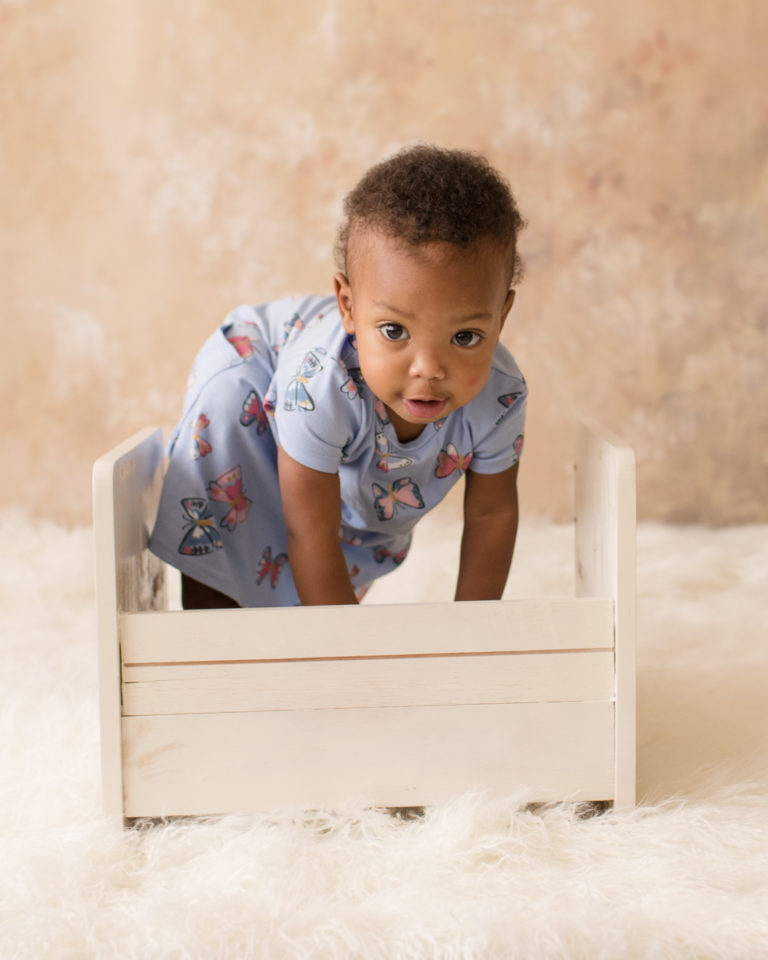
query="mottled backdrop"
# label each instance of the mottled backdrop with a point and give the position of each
(163, 162)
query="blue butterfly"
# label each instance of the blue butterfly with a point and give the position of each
(202, 537)
(296, 393)
(387, 460)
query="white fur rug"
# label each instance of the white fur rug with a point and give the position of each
(684, 875)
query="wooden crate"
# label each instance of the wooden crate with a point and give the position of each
(216, 711)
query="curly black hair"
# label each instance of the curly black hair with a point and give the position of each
(425, 194)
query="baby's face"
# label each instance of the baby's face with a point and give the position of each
(427, 320)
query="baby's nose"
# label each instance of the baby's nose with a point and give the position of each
(427, 363)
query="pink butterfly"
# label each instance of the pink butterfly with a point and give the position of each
(270, 568)
(242, 344)
(381, 412)
(518, 444)
(402, 493)
(254, 412)
(201, 447)
(244, 337)
(228, 488)
(389, 461)
(380, 554)
(450, 460)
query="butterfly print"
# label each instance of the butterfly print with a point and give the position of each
(439, 424)
(228, 488)
(449, 460)
(353, 572)
(518, 444)
(353, 385)
(292, 328)
(200, 446)
(297, 396)
(381, 412)
(507, 399)
(254, 412)
(270, 568)
(401, 493)
(380, 554)
(389, 461)
(201, 537)
(243, 345)
(244, 337)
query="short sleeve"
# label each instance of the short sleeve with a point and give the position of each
(316, 404)
(497, 417)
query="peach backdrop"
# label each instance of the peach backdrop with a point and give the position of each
(161, 163)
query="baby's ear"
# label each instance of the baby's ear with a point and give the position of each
(344, 299)
(509, 300)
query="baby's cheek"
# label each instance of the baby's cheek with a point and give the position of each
(477, 379)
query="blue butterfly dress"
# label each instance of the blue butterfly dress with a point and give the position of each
(286, 372)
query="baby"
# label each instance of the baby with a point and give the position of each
(318, 430)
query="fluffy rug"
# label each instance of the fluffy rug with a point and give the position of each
(684, 875)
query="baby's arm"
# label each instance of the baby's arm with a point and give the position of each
(490, 527)
(312, 513)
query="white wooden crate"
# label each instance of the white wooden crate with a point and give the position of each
(215, 711)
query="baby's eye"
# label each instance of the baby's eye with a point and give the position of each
(394, 331)
(466, 338)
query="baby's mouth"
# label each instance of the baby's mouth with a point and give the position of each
(424, 409)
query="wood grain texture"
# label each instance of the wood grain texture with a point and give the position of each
(409, 756)
(329, 684)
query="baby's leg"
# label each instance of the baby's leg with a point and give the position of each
(198, 596)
